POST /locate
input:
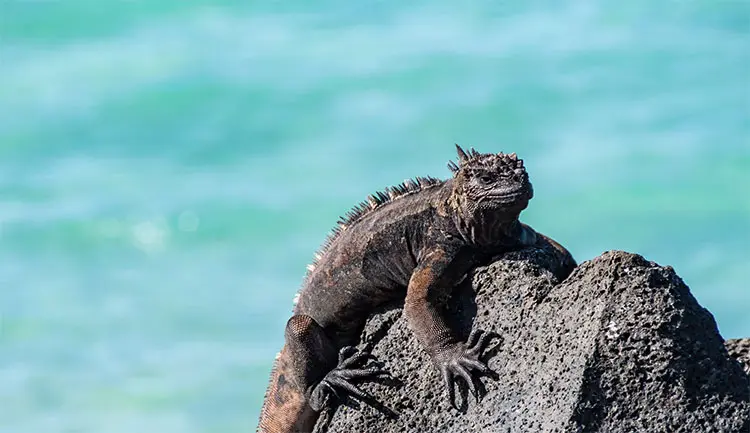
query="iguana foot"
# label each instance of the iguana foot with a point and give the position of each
(462, 360)
(338, 382)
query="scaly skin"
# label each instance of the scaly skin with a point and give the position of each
(414, 242)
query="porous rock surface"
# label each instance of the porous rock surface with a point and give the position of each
(739, 349)
(621, 345)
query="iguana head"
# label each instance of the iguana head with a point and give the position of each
(489, 183)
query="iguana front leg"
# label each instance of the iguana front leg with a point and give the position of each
(437, 272)
(306, 378)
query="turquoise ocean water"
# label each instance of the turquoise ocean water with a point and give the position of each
(167, 169)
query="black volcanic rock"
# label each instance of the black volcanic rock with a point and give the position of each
(620, 346)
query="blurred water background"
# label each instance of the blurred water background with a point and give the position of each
(168, 168)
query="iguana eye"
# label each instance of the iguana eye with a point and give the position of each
(485, 179)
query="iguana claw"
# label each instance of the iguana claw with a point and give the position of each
(461, 360)
(338, 382)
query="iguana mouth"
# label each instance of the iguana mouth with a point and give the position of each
(508, 197)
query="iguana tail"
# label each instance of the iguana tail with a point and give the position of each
(307, 374)
(565, 262)
(286, 407)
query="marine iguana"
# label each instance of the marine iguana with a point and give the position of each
(415, 241)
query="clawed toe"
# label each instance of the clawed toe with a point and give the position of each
(463, 362)
(337, 384)
(478, 340)
(349, 356)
